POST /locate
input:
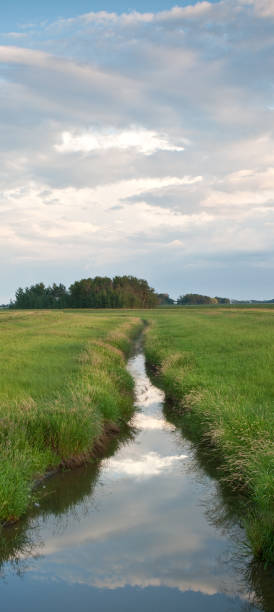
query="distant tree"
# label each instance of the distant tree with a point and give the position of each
(221, 300)
(195, 298)
(164, 299)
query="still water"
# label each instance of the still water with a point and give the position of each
(145, 528)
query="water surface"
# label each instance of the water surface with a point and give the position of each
(145, 528)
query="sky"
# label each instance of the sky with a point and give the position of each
(138, 139)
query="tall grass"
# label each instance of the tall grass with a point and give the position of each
(217, 366)
(63, 378)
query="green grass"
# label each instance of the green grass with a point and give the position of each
(63, 377)
(217, 365)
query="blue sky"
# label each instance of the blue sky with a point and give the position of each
(138, 141)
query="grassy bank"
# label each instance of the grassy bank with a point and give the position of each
(63, 378)
(217, 366)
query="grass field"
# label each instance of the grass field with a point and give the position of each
(62, 379)
(217, 365)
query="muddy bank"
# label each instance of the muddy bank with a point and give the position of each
(99, 449)
(42, 436)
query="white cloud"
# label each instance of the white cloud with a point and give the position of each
(258, 179)
(144, 141)
(40, 222)
(18, 55)
(124, 94)
(177, 13)
(175, 244)
(238, 198)
(148, 422)
(182, 12)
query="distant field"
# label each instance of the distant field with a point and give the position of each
(62, 377)
(217, 365)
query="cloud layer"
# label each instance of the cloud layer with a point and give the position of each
(141, 143)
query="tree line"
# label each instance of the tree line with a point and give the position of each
(104, 292)
(98, 292)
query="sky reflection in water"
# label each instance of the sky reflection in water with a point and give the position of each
(140, 539)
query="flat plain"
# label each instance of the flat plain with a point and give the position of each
(63, 378)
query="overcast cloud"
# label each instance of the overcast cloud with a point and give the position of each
(141, 143)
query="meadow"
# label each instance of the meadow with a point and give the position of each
(63, 380)
(216, 366)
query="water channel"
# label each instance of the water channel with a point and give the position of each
(144, 528)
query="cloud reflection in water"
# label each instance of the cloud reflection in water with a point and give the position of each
(147, 421)
(150, 464)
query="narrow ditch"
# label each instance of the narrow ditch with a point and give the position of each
(144, 528)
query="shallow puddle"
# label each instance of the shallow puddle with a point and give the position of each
(144, 528)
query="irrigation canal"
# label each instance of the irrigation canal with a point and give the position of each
(145, 528)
